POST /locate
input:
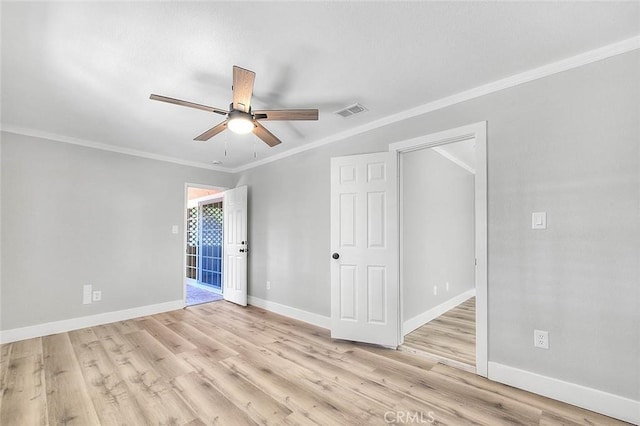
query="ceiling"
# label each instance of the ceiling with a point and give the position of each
(85, 70)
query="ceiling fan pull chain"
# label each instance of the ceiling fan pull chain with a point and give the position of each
(225, 146)
(255, 138)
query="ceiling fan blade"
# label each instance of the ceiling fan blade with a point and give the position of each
(268, 137)
(286, 114)
(188, 104)
(242, 88)
(212, 131)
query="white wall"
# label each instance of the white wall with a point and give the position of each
(566, 144)
(73, 215)
(438, 237)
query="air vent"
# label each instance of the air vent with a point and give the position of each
(351, 110)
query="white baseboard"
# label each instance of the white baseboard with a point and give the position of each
(39, 330)
(591, 399)
(421, 319)
(288, 311)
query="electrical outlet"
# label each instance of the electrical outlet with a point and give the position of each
(268, 285)
(541, 339)
(435, 290)
(447, 286)
(97, 296)
(86, 294)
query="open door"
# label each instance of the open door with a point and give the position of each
(364, 245)
(235, 245)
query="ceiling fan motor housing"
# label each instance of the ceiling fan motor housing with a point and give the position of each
(240, 122)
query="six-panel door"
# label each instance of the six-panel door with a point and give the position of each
(364, 235)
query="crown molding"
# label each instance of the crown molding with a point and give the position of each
(9, 128)
(572, 62)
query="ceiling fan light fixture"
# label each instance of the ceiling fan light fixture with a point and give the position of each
(240, 122)
(239, 118)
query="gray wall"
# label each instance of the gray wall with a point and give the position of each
(73, 215)
(438, 238)
(566, 144)
(288, 221)
(1, 203)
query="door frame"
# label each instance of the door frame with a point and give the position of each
(477, 131)
(185, 206)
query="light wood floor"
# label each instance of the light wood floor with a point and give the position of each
(450, 337)
(221, 364)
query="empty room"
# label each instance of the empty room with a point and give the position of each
(319, 213)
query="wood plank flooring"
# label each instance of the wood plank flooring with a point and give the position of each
(450, 338)
(220, 364)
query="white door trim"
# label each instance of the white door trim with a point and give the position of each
(188, 185)
(477, 131)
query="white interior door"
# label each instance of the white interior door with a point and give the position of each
(234, 205)
(364, 244)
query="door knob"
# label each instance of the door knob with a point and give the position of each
(335, 255)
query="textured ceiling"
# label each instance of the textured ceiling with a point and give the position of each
(86, 70)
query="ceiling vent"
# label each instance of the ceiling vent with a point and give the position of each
(351, 110)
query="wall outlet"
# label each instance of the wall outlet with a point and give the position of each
(86, 294)
(447, 286)
(541, 339)
(435, 290)
(97, 296)
(174, 229)
(268, 285)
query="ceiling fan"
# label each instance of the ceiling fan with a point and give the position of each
(240, 118)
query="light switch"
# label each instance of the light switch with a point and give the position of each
(539, 220)
(174, 229)
(86, 294)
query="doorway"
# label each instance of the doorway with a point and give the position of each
(204, 245)
(367, 247)
(438, 246)
(477, 314)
